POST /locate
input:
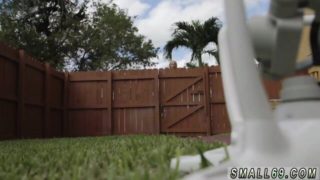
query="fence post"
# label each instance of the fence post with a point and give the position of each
(207, 99)
(109, 103)
(46, 99)
(20, 93)
(157, 102)
(65, 123)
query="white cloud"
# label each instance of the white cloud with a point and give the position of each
(134, 7)
(183, 60)
(156, 23)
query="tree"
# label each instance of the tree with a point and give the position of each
(71, 34)
(110, 41)
(195, 36)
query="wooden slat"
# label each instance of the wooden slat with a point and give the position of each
(175, 94)
(56, 74)
(8, 98)
(30, 62)
(21, 90)
(134, 75)
(173, 104)
(181, 76)
(207, 100)
(87, 76)
(180, 73)
(133, 105)
(46, 100)
(215, 69)
(185, 116)
(157, 103)
(217, 102)
(109, 103)
(65, 121)
(186, 132)
(87, 107)
(9, 53)
(124, 78)
(34, 103)
(56, 108)
(216, 87)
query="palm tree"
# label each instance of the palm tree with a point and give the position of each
(195, 36)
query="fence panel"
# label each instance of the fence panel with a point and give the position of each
(25, 110)
(182, 99)
(55, 104)
(135, 102)
(32, 124)
(9, 68)
(88, 105)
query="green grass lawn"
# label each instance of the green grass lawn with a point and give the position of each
(125, 157)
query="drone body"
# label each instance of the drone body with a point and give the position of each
(288, 136)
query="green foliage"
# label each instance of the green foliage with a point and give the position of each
(204, 161)
(70, 33)
(191, 64)
(195, 36)
(126, 157)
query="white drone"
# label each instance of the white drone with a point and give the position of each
(288, 136)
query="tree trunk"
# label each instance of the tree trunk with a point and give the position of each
(200, 59)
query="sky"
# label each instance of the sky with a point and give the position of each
(155, 19)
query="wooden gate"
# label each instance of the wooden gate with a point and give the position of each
(89, 99)
(219, 115)
(184, 103)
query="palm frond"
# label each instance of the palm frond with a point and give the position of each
(195, 36)
(173, 44)
(214, 53)
(183, 26)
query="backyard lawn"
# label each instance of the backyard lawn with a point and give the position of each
(125, 157)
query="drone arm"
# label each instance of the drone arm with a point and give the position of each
(250, 112)
(254, 104)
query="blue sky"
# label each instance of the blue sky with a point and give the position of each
(156, 17)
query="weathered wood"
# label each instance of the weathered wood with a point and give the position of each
(21, 91)
(33, 63)
(109, 92)
(87, 76)
(207, 100)
(56, 74)
(181, 73)
(43, 102)
(89, 96)
(185, 116)
(134, 102)
(64, 124)
(157, 103)
(183, 107)
(8, 98)
(46, 100)
(180, 90)
(9, 53)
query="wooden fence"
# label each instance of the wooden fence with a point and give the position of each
(179, 101)
(36, 101)
(31, 97)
